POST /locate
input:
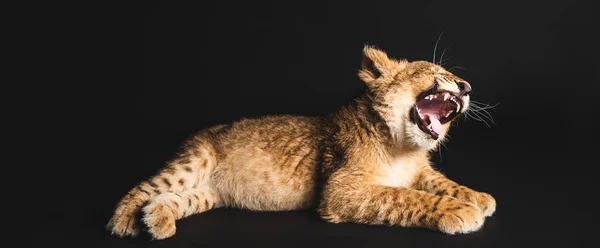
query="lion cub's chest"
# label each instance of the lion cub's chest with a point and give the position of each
(399, 172)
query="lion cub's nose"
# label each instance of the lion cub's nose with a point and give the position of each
(464, 87)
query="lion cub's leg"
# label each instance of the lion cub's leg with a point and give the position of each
(401, 207)
(162, 211)
(174, 178)
(187, 171)
(435, 182)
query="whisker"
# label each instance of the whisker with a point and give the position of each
(455, 123)
(478, 102)
(442, 57)
(479, 107)
(487, 115)
(480, 118)
(465, 117)
(442, 62)
(483, 109)
(487, 105)
(484, 112)
(439, 148)
(452, 68)
(472, 115)
(435, 47)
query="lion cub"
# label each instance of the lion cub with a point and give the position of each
(366, 163)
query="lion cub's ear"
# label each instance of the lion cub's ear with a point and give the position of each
(376, 64)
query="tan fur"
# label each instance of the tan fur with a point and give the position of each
(366, 163)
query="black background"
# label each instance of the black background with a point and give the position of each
(216, 62)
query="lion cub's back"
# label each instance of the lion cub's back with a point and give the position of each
(267, 163)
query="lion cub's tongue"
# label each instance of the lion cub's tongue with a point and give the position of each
(436, 125)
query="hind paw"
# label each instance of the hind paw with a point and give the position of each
(160, 220)
(124, 221)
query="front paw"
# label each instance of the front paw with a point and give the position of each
(483, 201)
(486, 203)
(459, 217)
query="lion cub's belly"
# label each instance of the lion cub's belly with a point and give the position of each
(256, 180)
(399, 173)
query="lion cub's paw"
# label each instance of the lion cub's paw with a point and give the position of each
(124, 221)
(486, 203)
(159, 219)
(459, 217)
(483, 201)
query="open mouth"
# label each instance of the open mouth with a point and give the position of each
(432, 110)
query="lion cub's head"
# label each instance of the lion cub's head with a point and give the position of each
(418, 100)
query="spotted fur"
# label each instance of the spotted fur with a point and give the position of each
(365, 163)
